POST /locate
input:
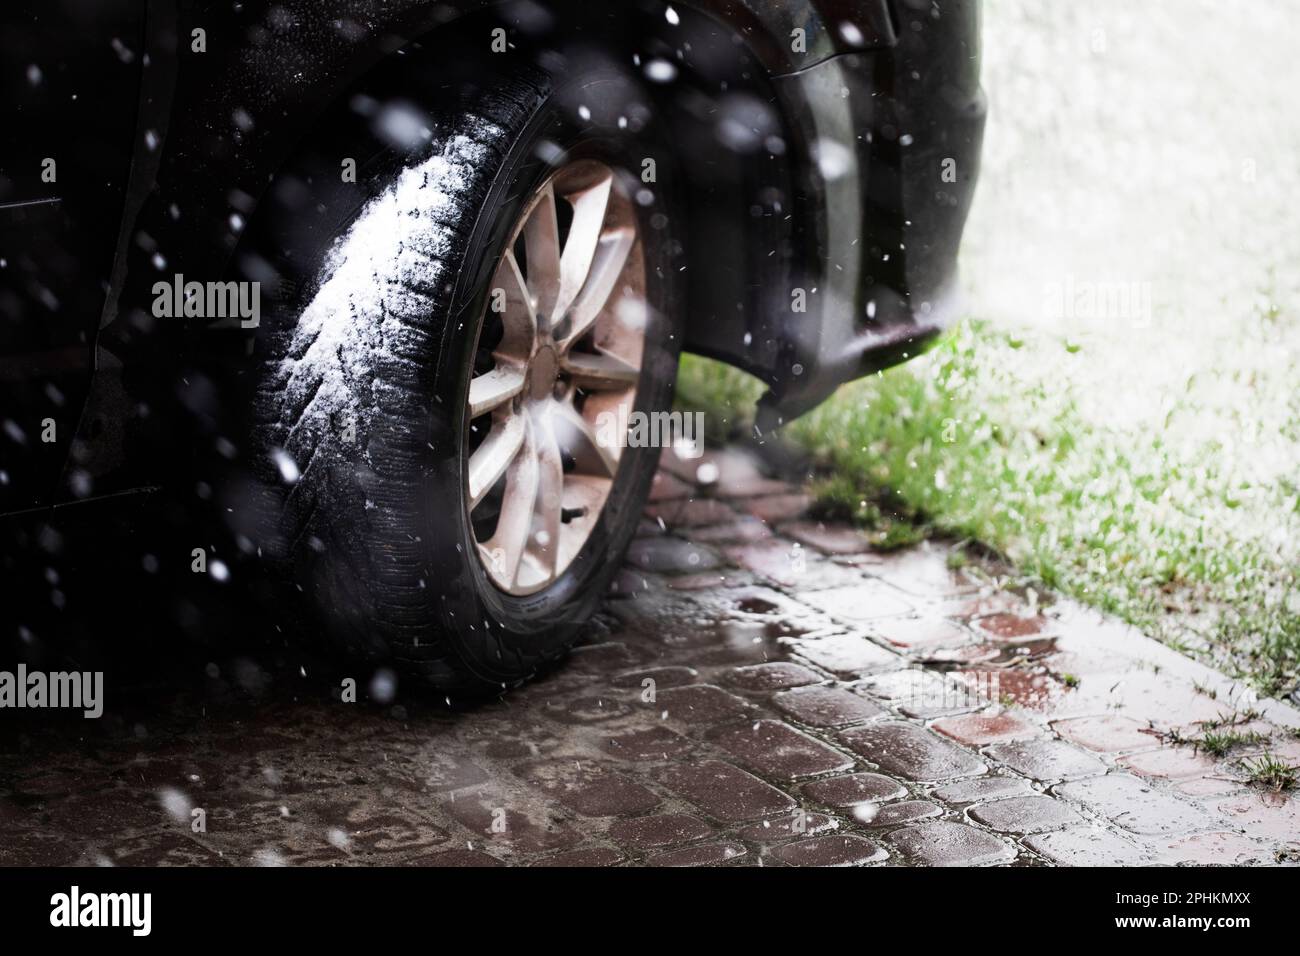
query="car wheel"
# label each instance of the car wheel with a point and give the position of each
(444, 391)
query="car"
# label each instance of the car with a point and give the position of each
(352, 290)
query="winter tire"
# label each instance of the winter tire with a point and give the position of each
(440, 377)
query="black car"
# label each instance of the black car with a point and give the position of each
(351, 291)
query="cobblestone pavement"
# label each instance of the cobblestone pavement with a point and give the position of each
(761, 689)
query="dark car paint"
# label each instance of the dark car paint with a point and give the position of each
(883, 231)
(70, 94)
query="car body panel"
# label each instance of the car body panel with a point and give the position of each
(70, 88)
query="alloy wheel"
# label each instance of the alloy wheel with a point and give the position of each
(555, 378)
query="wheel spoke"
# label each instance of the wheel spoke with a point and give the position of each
(610, 258)
(515, 522)
(599, 372)
(491, 459)
(589, 209)
(542, 247)
(594, 450)
(550, 496)
(520, 314)
(494, 388)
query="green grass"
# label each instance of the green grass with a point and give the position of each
(1218, 744)
(1270, 773)
(986, 438)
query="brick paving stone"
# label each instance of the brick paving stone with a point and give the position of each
(597, 856)
(911, 752)
(1208, 787)
(736, 643)
(711, 854)
(656, 743)
(1109, 734)
(667, 829)
(922, 635)
(739, 645)
(1212, 849)
(780, 507)
(600, 658)
(853, 789)
(756, 486)
(906, 811)
(830, 851)
(1046, 759)
(778, 750)
(942, 843)
(830, 538)
(628, 583)
(787, 826)
(707, 636)
(726, 470)
(1024, 814)
(923, 694)
(701, 705)
(1087, 846)
(587, 710)
(1169, 763)
(1012, 627)
(764, 602)
(968, 607)
(589, 789)
(1142, 695)
(524, 831)
(669, 555)
(667, 486)
(982, 788)
(645, 528)
(1033, 690)
(1036, 650)
(847, 655)
(788, 564)
(1284, 750)
(662, 676)
(689, 469)
(969, 654)
(1134, 805)
(977, 730)
(924, 572)
(691, 512)
(725, 792)
(458, 858)
(857, 603)
(1269, 815)
(773, 676)
(745, 528)
(826, 706)
(863, 562)
(707, 581)
(381, 834)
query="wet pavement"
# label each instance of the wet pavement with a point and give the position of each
(760, 689)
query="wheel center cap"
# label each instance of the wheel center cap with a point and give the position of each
(542, 372)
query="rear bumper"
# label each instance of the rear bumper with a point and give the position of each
(893, 140)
